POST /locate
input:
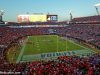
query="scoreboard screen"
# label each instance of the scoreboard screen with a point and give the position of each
(52, 17)
(37, 18)
(23, 18)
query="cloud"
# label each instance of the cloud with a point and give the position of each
(97, 5)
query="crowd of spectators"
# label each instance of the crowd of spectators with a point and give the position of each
(89, 33)
(64, 65)
(12, 67)
(89, 19)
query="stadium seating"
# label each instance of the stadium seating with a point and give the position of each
(89, 19)
(65, 65)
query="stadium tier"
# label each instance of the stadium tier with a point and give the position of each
(51, 50)
(89, 19)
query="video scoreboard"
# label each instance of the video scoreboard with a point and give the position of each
(37, 18)
(52, 17)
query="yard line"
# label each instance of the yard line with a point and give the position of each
(57, 43)
(22, 51)
(66, 43)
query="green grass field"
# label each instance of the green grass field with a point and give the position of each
(34, 46)
(48, 43)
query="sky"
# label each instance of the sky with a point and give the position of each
(78, 8)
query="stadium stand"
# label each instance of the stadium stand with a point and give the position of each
(89, 19)
(64, 65)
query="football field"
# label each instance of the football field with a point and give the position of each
(49, 46)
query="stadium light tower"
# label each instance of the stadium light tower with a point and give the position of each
(1, 14)
(96, 7)
(71, 16)
(97, 10)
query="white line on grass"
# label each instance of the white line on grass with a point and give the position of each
(22, 51)
(57, 43)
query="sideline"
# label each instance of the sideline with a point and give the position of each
(22, 51)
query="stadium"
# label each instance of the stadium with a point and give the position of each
(39, 44)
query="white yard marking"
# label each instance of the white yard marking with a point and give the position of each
(22, 51)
